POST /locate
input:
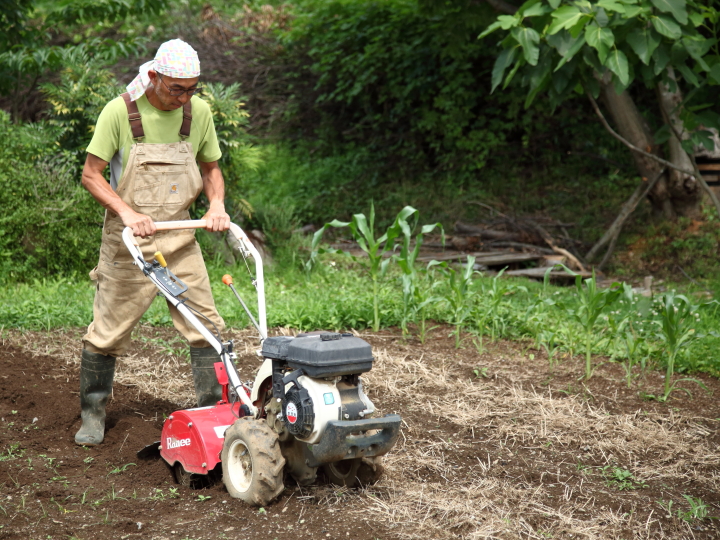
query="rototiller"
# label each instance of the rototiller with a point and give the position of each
(305, 410)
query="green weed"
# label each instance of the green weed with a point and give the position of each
(12, 452)
(620, 478)
(122, 468)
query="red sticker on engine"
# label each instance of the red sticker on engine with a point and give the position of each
(291, 413)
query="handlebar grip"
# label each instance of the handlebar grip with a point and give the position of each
(227, 279)
(184, 224)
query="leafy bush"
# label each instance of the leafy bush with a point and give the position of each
(49, 223)
(399, 82)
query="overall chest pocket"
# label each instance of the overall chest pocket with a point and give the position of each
(161, 184)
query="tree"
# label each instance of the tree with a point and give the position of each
(602, 49)
(34, 38)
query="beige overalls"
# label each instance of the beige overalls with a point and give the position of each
(161, 181)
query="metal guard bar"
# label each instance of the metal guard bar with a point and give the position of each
(341, 440)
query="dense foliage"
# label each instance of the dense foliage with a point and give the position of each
(406, 86)
(566, 47)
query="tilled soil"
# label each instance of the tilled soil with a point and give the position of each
(493, 445)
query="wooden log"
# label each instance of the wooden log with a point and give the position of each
(492, 258)
(473, 230)
(539, 273)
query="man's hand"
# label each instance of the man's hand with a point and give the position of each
(216, 218)
(141, 224)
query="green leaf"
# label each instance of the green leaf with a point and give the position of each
(600, 39)
(696, 18)
(688, 146)
(698, 47)
(632, 11)
(644, 43)
(593, 86)
(562, 78)
(601, 17)
(512, 73)
(715, 73)
(503, 21)
(704, 138)
(571, 52)
(661, 57)
(678, 8)
(490, 29)
(688, 74)
(529, 39)
(667, 27)
(590, 58)
(662, 135)
(504, 59)
(611, 5)
(535, 11)
(508, 21)
(554, 3)
(617, 62)
(565, 18)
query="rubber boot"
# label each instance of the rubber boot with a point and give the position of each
(96, 380)
(207, 388)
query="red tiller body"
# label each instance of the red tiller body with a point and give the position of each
(195, 437)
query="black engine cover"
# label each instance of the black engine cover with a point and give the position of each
(321, 355)
(298, 412)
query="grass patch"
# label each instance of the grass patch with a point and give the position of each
(339, 295)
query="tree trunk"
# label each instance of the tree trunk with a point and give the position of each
(685, 191)
(633, 127)
(675, 194)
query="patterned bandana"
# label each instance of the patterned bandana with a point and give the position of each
(174, 58)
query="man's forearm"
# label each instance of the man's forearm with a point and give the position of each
(95, 183)
(103, 193)
(214, 186)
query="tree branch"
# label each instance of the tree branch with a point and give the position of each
(613, 231)
(630, 145)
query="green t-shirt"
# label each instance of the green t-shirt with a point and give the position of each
(112, 139)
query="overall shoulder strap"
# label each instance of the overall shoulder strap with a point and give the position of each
(134, 117)
(187, 119)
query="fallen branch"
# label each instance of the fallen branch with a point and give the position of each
(488, 234)
(521, 245)
(550, 242)
(627, 208)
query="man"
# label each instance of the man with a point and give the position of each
(151, 136)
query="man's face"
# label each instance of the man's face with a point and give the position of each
(165, 85)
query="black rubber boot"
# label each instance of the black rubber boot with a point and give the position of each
(207, 388)
(96, 380)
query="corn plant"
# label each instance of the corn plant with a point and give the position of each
(488, 310)
(376, 249)
(416, 293)
(592, 302)
(458, 294)
(549, 341)
(698, 509)
(677, 317)
(536, 315)
(636, 352)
